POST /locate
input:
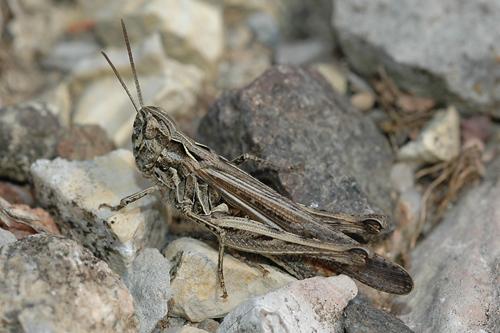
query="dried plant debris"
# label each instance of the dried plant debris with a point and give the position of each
(406, 114)
(443, 182)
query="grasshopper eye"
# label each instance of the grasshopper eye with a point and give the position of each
(151, 128)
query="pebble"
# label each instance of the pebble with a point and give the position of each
(74, 190)
(333, 74)
(311, 305)
(84, 142)
(439, 140)
(195, 287)
(52, 284)
(148, 280)
(363, 101)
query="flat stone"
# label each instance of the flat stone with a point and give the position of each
(196, 291)
(438, 141)
(440, 49)
(311, 305)
(148, 280)
(28, 132)
(456, 268)
(52, 284)
(73, 192)
(327, 154)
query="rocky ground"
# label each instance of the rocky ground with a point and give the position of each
(356, 106)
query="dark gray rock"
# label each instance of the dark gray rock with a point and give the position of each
(361, 317)
(324, 153)
(27, 132)
(456, 269)
(52, 284)
(442, 49)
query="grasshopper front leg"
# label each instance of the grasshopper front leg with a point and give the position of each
(131, 198)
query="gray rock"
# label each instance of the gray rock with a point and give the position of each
(27, 132)
(73, 192)
(439, 140)
(6, 237)
(195, 287)
(311, 305)
(440, 49)
(456, 268)
(302, 52)
(361, 317)
(148, 280)
(325, 153)
(265, 28)
(52, 284)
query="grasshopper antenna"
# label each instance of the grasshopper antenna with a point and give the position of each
(132, 64)
(121, 80)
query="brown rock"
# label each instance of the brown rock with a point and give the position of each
(84, 142)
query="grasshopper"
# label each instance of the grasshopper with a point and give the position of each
(247, 215)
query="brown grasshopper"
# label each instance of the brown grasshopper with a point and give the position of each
(247, 215)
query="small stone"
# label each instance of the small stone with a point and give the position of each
(209, 325)
(311, 305)
(302, 52)
(27, 132)
(438, 141)
(265, 28)
(190, 329)
(333, 75)
(74, 191)
(402, 177)
(363, 101)
(148, 280)
(455, 268)
(6, 237)
(52, 284)
(196, 291)
(84, 142)
(59, 98)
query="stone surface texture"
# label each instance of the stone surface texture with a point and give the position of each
(442, 49)
(73, 192)
(456, 268)
(311, 305)
(195, 287)
(28, 132)
(148, 280)
(324, 153)
(6, 237)
(52, 284)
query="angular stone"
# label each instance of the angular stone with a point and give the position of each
(148, 279)
(441, 49)
(311, 305)
(52, 284)
(28, 132)
(195, 287)
(438, 141)
(325, 153)
(73, 192)
(456, 268)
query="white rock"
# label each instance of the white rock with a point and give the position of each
(6, 237)
(148, 280)
(311, 305)
(438, 141)
(196, 290)
(75, 190)
(333, 75)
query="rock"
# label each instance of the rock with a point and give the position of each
(361, 317)
(265, 28)
(302, 52)
(84, 142)
(438, 141)
(331, 157)
(443, 52)
(333, 75)
(73, 192)
(456, 268)
(6, 237)
(190, 329)
(195, 287)
(16, 194)
(52, 284)
(70, 55)
(148, 280)
(402, 177)
(172, 86)
(363, 101)
(27, 132)
(209, 325)
(311, 305)
(194, 34)
(60, 100)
